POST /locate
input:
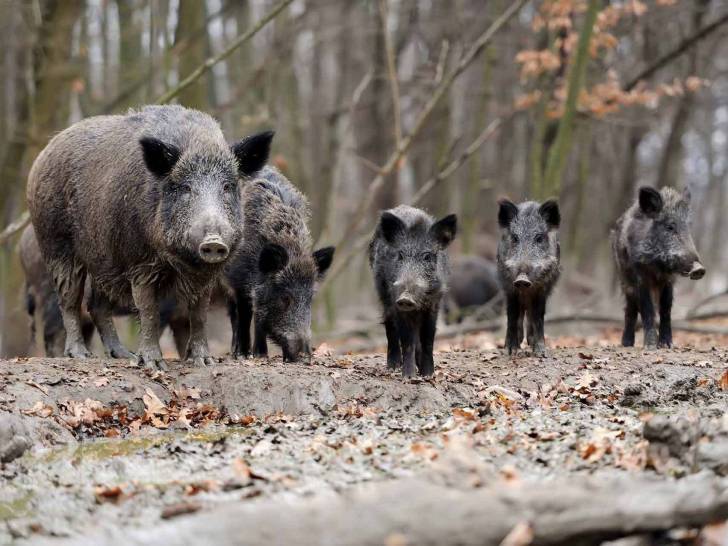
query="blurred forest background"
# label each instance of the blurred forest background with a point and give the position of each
(445, 103)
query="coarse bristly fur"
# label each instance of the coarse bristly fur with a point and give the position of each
(652, 244)
(275, 272)
(528, 266)
(409, 261)
(146, 204)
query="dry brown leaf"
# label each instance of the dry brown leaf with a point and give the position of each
(41, 388)
(180, 509)
(153, 404)
(101, 381)
(520, 535)
(723, 381)
(39, 409)
(467, 414)
(396, 539)
(108, 493)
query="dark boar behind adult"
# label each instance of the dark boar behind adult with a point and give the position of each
(528, 266)
(275, 271)
(146, 205)
(652, 244)
(473, 283)
(41, 298)
(410, 264)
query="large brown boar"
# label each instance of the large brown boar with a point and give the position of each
(147, 205)
(275, 271)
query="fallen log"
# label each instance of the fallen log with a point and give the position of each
(583, 512)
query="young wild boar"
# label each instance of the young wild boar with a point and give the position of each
(473, 283)
(652, 244)
(410, 265)
(146, 205)
(274, 273)
(528, 267)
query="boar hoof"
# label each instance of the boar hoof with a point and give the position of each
(120, 352)
(151, 363)
(393, 364)
(664, 344)
(78, 351)
(204, 361)
(539, 352)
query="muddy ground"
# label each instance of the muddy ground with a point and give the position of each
(120, 455)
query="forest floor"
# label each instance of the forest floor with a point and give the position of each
(124, 456)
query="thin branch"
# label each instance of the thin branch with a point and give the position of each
(19, 223)
(212, 61)
(681, 48)
(391, 72)
(404, 145)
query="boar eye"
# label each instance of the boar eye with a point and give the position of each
(670, 227)
(286, 301)
(514, 238)
(400, 255)
(229, 187)
(540, 238)
(428, 257)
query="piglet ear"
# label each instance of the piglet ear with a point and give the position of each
(323, 258)
(549, 210)
(444, 231)
(686, 195)
(650, 200)
(391, 226)
(507, 211)
(252, 152)
(160, 158)
(272, 259)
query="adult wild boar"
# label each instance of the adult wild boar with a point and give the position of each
(528, 260)
(410, 264)
(652, 244)
(274, 272)
(146, 205)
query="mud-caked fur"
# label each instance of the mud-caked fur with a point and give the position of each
(528, 267)
(274, 273)
(146, 205)
(652, 245)
(410, 265)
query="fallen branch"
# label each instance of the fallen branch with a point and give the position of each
(212, 61)
(17, 225)
(584, 512)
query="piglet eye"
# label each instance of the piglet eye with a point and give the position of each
(286, 301)
(229, 187)
(400, 255)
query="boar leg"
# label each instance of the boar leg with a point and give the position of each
(631, 308)
(394, 352)
(197, 349)
(514, 330)
(101, 312)
(149, 354)
(535, 324)
(665, 319)
(180, 327)
(241, 334)
(260, 346)
(408, 335)
(426, 362)
(69, 281)
(647, 311)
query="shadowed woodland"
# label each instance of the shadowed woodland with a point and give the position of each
(447, 105)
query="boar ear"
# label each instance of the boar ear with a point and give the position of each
(650, 200)
(272, 259)
(391, 225)
(323, 258)
(443, 231)
(252, 152)
(507, 211)
(686, 195)
(550, 212)
(160, 158)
